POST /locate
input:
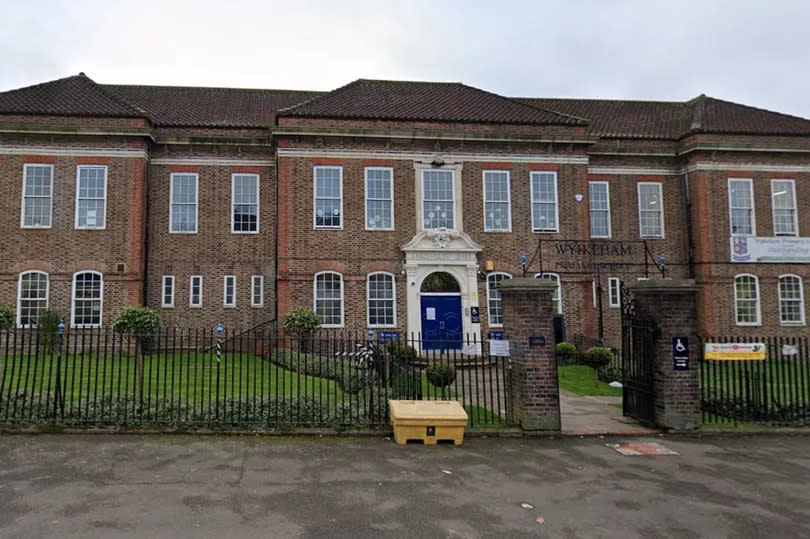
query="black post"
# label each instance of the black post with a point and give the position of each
(57, 397)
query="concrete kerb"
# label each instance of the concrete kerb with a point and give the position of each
(372, 433)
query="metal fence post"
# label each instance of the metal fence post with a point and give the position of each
(57, 396)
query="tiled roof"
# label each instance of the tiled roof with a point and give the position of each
(424, 101)
(673, 119)
(76, 95)
(210, 107)
(394, 100)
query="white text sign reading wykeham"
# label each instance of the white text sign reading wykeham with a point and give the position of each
(751, 351)
(762, 249)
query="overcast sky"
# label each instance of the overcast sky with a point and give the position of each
(755, 53)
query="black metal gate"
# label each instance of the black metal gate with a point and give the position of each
(638, 395)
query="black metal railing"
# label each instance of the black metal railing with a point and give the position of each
(255, 379)
(773, 391)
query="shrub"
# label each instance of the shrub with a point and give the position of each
(301, 323)
(440, 375)
(565, 349)
(48, 328)
(137, 321)
(598, 356)
(402, 352)
(7, 316)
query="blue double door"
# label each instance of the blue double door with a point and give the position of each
(441, 323)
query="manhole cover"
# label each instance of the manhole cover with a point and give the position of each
(642, 448)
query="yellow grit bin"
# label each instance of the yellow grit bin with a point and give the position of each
(428, 421)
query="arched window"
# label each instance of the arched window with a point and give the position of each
(88, 293)
(329, 298)
(494, 298)
(440, 282)
(32, 297)
(746, 300)
(381, 300)
(557, 296)
(791, 300)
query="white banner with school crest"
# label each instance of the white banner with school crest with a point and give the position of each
(763, 249)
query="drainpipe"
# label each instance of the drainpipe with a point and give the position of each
(275, 237)
(147, 221)
(689, 235)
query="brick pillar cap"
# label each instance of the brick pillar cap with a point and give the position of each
(663, 285)
(526, 284)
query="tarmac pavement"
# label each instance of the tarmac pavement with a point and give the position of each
(111, 486)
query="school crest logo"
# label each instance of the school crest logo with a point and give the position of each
(739, 250)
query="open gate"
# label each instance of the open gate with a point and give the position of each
(638, 395)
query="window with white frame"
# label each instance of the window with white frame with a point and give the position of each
(438, 199)
(183, 207)
(497, 204)
(614, 289)
(746, 300)
(381, 300)
(37, 196)
(556, 297)
(791, 300)
(91, 196)
(650, 210)
(329, 298)
(494, 298)
(32, 297)
(379, 198)
(88, 293)
(328, 197)
(257, 291)
(195, 291)
(741, 206)
(245, 203)
(544, 201)
(783, 200)
(599, 205)
(229, 291)
(167, 297)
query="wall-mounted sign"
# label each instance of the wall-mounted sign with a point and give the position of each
(386, 336)
(680, 353)
(475, 315)
(729, 351)
(537, 340)
(495, 335)
(430, 313)
(778, 249)
(498, 348)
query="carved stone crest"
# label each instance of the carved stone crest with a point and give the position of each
(441, 237)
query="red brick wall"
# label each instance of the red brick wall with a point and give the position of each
(62, 249)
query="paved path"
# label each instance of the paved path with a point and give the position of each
(182, 486)
(595, 415)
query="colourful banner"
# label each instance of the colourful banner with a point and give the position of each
(777, 249)
(734, 351)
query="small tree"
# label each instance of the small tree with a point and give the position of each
(441, 375)
(564, 352)
(140, 323)
(7, 316)
(402, 352)
(301, 323)
(597, 357)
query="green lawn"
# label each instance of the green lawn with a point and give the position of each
(581, 380)
(783, 380)
(187, 376)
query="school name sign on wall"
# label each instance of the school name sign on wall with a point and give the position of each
(607, 255)
(762, 249)
(730, 351)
